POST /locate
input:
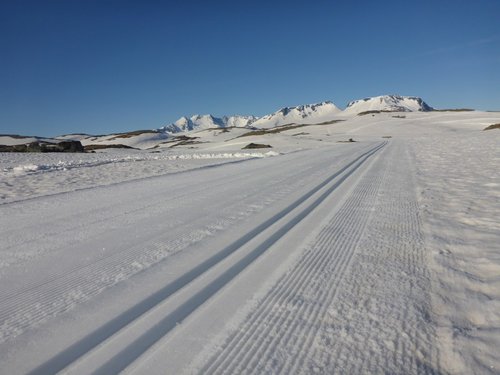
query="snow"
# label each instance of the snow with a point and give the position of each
(304, 114)
(319, 113)
(146, 140)
(392, 103)
(460, 198)
(201, 122)
(374, 256)
(20, 140)
(57, 173)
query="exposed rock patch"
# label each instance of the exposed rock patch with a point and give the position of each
(256, 145)
(64, 146)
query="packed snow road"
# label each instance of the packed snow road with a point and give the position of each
(308, 262)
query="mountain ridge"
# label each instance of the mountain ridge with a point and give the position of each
(305, 114)
(200, 122)
(389, 103)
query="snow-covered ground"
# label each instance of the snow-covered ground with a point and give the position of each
(459, 181)
(25, 175)
(321, 256)
(387, 103)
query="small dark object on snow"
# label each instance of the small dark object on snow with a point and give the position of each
(349, 141)
(255, 145)
(494, 126)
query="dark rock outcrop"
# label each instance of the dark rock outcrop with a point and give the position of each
(64, 146)
(102, 146)
(255, 145)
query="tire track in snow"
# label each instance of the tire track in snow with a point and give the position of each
(283, 310)
(161, 328)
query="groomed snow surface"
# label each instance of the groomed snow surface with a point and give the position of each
(321, 256)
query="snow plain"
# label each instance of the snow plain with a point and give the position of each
(322, 256)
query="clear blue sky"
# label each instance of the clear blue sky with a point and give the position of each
(106, 66)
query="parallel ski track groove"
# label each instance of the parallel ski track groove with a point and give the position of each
(71, 354)
(160, 329)
(333, 249)
(108, 270)
(28, 297)
(9, 294)
(287, 287)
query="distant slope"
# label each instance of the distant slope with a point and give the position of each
(14, 139)
(389, 103)
(303, 114)
(141, 139)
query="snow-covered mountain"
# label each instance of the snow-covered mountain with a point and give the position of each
(302, 114)
(319, 113)
(199, 122)
(390, 103)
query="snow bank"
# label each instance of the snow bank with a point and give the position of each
(24, 175)
(71, 164)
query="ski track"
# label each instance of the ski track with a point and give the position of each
(34, 302)
(276, 313)
(357, 301)
(390, 327)
(33, 234)
(366, 257)
(136, 348)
